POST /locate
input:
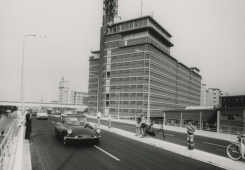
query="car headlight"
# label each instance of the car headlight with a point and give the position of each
(69, 131)
(98, 131)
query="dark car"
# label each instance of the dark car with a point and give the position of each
(72, 128)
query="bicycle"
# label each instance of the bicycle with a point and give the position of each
(236, 150)
(154, 133)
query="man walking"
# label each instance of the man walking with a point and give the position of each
(190, 135)
(99, 116)
(28, 124)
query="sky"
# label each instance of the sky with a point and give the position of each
(207, 34)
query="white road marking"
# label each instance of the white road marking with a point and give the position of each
(107, 153)
(159, 133)
(53, 121)
(215, 144)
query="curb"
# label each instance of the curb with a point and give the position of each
(206, 157)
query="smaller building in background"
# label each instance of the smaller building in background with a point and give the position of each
(69, 96)
(204, 95)
(214, 96)
(210, 96)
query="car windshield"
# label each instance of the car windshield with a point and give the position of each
(77, 121)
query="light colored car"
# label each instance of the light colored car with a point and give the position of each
(42, 114)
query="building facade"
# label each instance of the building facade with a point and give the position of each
(135, 73)
(204, 95)
(214, 96)
(68, 96)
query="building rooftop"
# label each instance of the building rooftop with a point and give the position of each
(148, 16)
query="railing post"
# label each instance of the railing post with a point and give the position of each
(218, 121)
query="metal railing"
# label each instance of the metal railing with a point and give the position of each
(231, 130)
(7, 144)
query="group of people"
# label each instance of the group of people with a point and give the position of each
(28, 117)
(141, 126)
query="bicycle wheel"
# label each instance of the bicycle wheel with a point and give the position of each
(233, 151)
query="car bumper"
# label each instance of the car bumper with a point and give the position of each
(42, 117)
(82, 138)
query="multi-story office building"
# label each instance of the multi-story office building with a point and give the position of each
(80, 98)
(204, 95)
(135, 73)
(214, 96)
(68, 96)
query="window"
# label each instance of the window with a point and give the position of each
(231, 117)
(141, 70)
(119, 87)
(113, 87)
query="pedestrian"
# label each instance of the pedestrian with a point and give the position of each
(28, 124)
(137, 125)
(143, 126)
(109, 120)
(19, 115)
(99, 116)
(190, 135)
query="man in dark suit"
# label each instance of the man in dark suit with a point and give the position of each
(28, 124)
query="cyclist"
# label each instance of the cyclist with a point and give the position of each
(190, 135)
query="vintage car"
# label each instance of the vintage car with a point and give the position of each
(42, 114)
(74, 127)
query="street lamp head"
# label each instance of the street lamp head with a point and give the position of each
(40, 36)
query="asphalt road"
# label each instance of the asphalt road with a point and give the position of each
(211, 145)
(113, 152)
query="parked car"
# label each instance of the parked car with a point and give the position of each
(76, 128)
(42, 114)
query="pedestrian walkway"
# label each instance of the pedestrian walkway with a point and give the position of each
(214, 135)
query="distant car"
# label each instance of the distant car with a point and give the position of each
(42, 114)
(76, 128)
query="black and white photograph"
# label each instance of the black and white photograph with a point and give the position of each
(122, 84)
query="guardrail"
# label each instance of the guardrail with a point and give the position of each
(231, 130)
(7, 144)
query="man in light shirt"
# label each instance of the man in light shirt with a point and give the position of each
(99, 116)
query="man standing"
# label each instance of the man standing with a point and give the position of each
(99, 116)
(28, 124)
(190, 135)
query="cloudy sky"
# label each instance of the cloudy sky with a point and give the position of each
(207, 34)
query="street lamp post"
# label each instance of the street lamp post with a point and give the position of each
(148, 104)
(22, 97)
